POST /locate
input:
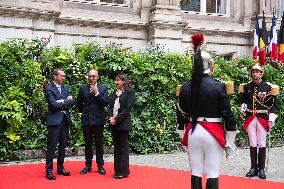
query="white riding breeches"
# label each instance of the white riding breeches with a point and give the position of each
(205, 153)
(257, 134)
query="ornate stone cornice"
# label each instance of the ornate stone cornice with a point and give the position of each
(225, 33)
(166, 25)
(135, 25)
(13, 11)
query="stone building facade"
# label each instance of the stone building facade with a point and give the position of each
(227, 24)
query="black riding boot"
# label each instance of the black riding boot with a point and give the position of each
(253, 163)
(261, 163)
(196, 182)
(212, 183)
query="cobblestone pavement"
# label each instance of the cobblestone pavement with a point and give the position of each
(179, 160)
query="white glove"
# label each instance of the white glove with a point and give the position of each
(243, 109)
(181, 133)
(272, 117)
(271, 120)
(230, 147)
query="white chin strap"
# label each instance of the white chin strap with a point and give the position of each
(207, 71)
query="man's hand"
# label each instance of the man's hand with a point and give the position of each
(271, 120)
(61, 101)
(94, 89)
(181, 133)
(243, 109)
(112, 121)
(270, 125)
(231, 151)
(230, 147)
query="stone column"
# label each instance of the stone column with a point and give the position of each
(43, 24)
(203, 6)
(280, 8)
(250, 10)
(145, 6)
(268, 6)
(57, 5)
(165, 25)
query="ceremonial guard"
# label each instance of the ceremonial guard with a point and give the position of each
(203, 101)
(259, 111)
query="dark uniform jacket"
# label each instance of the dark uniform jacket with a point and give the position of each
(56, 110)
(214, 101)
(258, 97)
(91, 106)
(123, 117)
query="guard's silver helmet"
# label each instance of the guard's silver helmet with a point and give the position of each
(207, 58)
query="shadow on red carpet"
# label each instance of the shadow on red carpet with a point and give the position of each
(32, 176)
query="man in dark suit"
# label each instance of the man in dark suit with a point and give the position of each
(92, 100)
(58, 120)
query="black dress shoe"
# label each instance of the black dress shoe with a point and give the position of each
(118, 176)
(50, 175)
(262, 174)
(86, 170)
(102, 171)
(63, 172)
(252, 172)
(125, 176)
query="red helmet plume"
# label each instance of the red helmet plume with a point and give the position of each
(197, 39)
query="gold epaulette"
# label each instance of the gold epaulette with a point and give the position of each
(229, 86)
(178, 90)
(241, 87)
(274, 89)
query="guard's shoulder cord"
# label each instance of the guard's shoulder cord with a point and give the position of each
(184, 114)
(229, 86)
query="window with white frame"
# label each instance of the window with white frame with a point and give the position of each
(206, 6)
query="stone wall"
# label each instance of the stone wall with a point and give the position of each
(133, 24)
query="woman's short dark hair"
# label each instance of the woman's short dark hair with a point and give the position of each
(125, 78)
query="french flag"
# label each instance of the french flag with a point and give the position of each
(256, 39)
(281, 41)
(273, 47)
(263, 43)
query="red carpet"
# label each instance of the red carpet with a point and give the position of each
(32, 176)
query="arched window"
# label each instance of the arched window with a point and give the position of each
(206, 6)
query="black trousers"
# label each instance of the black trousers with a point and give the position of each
(57, 134)
(121, 152)
(93, 133)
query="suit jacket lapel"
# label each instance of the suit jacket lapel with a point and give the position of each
(87, 91)
(99, 87)
(64, 91)
(55, 88)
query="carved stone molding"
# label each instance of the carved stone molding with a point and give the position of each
(102, 23)
(26, 12)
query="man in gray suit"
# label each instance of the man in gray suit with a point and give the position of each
(58, 120)
(92, 100)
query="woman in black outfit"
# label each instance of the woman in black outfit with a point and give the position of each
(121, 103)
